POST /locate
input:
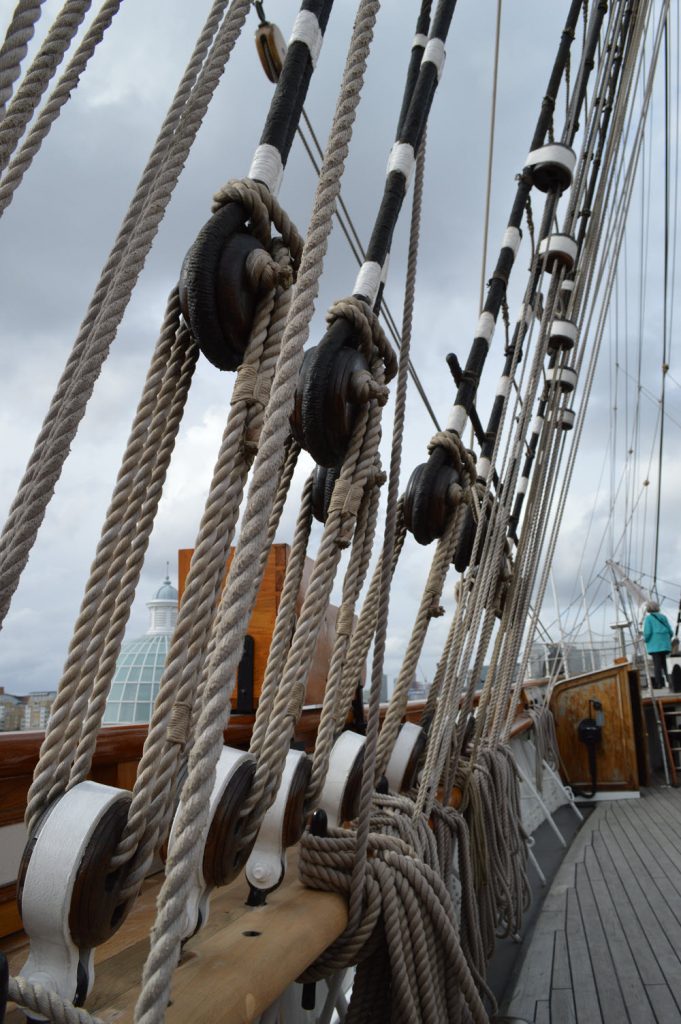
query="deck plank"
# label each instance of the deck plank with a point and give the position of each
(562, 1007)
(607, 983)
(584, 985)
(614, 913)
(665, 1009)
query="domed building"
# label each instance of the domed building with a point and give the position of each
(140, 663)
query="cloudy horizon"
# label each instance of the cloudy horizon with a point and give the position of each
(60, 227)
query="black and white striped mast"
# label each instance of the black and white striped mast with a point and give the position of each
(286, 107)
(563, 332)
(425, 525)
(217, 295)
(319, 380)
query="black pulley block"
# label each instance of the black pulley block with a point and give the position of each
(218, 299)
(465, 541)
(427, 500)
(323, 482)
(327, 402)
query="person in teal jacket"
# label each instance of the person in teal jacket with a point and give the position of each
(657, 634)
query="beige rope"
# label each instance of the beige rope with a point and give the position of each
(60, 95)
(112, 295)
(15, 46)
(246, 571)
(37, 78)
(53, 764)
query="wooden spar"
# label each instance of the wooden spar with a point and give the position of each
(239, 963)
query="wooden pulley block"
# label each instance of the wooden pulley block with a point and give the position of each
(323, 482)
(271, 47)
(342, 787)
(69, 898)
(406, 756)
(294, 815)
(429, 497)
(282, 826)
(223, 860)
(463, 554)
(217, 296)
(329, 395)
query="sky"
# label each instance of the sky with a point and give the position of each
(55, 237)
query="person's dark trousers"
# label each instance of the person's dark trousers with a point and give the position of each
(660, 669)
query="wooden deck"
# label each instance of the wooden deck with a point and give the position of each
(607, 942)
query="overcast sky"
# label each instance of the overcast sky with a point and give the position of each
(58, 231)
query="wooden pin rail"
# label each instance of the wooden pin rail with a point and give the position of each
(240, 962)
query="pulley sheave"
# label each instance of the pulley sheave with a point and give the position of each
(217, 294)
(329, 395)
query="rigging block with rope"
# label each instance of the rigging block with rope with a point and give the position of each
(69, 898)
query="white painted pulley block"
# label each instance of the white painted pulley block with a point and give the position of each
(233, 777)
(562, 336)
(65, 851)
(566, 419)
(558, 251)
(564, 376)
(552, 166)
(266, 866)
(343, 778)
(408, 748)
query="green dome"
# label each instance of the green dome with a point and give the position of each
(141, 661)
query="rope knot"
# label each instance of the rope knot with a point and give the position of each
(263, 210)
(366, 324)
(265, 273)
(180, 721)
(435, 611)
(462, 458)
(346, 619)
(250, 386)
(346, 499)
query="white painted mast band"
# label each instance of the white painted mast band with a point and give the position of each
(511, 239)
(485, 328)
(457, 419)
(306, 30)
(402, 159)
(267, 167)
(554, 153)
(484, 466)
(368, 281)
(434, 53)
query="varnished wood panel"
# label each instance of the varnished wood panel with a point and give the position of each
(262, 621)
(616, 755)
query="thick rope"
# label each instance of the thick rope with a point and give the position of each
(403, 889)
(47, 1004)
(15, 46)
(178, 688)
(351, 510)
(390, 532)
(60, 95)
(246, 571)
(48, 774)
(111, 298)
(37, 78)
